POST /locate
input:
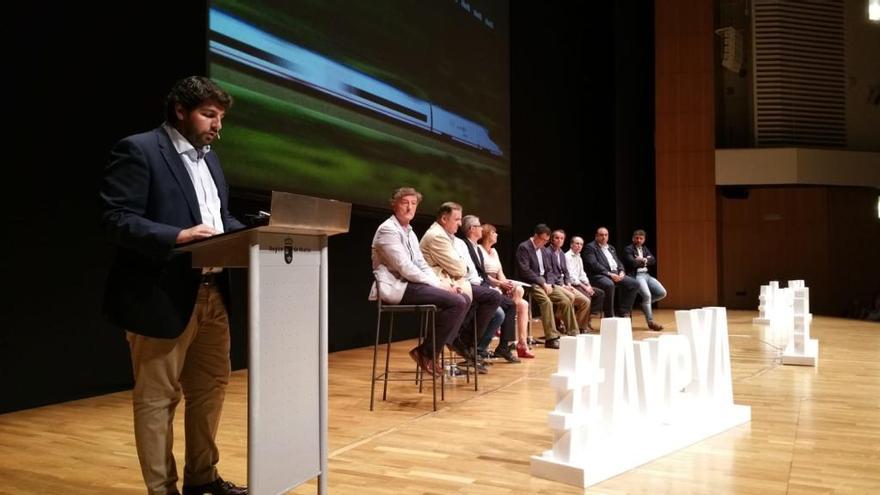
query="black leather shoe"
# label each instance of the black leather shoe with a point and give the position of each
(552, 343)
(507, 354)
(480, 367)
(459, 348)
(655, 326)
(216, 487)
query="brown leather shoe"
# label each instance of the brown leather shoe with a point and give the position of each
(216, 487)
(655, 326)
(426, 364)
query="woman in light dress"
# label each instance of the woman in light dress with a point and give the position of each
(513, 290)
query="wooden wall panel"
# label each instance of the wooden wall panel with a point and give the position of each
(687, 247)
(854, 237)
(823, 235)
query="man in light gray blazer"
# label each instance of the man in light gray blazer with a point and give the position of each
(404, 277)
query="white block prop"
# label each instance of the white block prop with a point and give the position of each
(621, 403)
(774, 302)
(805, 309)
(787, 314)
(765, 303)
(801, 349)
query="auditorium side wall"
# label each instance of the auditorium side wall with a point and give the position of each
(827, 236)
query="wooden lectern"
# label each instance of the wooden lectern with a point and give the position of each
(287, 335)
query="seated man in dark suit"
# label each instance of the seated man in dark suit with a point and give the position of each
(637, 258)
(533, 265)
(560, 276)
(473, 231)
(607, 272)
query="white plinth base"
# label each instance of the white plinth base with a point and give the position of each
(612, 454)
(761, 321)
(810, 357)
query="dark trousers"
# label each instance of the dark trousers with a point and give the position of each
(628, 289)
(508, 326)
(451, 310)
(596, 300)
(486, 301)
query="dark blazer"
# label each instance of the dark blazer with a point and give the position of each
(596, 263)
(147, 198)
(477, 258)
(558, 271)
(629, 259)
(527, 269)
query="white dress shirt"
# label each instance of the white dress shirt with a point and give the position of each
(644, 267)
(608, 256)
(472, 275)
(540, 257)
(200, 175)
(576, 268)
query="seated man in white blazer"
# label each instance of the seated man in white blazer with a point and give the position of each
(405, 278)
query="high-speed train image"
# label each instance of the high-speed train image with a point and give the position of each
(245, 44)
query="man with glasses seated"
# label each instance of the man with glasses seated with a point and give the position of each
(505, 316)
(533, 265)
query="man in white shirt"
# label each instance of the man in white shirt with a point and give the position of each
(404, 277)
(579, 279)
(607, 272)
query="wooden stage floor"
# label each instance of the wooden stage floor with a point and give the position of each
(813, 430)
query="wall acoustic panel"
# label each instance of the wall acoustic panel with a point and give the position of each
(799, 73)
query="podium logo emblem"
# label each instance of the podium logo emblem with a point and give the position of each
(288, 250)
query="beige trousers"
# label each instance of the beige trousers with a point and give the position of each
(562, 302)
(581, 304)
(195, 366)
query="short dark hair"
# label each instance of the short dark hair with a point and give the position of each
(193, 91)
(542, 228)
(446, 208)
(639, 232)
(560, 231)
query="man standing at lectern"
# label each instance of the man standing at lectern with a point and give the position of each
(163, 188)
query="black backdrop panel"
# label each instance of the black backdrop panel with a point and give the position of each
(582, 156)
